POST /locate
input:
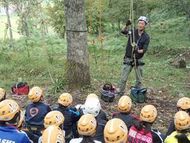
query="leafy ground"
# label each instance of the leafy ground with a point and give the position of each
(41, 61)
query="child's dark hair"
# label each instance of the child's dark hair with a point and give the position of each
(87, 139)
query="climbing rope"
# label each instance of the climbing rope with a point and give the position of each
(132, 37)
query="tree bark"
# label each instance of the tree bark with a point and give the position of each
(78, 69)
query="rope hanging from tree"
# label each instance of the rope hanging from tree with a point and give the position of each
(132, 36)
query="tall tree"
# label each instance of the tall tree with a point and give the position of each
(78, 71)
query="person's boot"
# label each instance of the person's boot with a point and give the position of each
(138, 85)
(118, 92)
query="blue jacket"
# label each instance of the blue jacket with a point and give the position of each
(35, 113)
(9, 134)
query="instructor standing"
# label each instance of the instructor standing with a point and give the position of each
(138, 41)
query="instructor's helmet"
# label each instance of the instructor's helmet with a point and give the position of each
(143, 18)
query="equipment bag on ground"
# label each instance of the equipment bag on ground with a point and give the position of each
(107, 92)
(138, 95)
(20, 88)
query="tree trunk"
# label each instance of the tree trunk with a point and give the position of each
(78, 71)
(9, 23)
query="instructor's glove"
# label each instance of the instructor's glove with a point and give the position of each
(128, 22)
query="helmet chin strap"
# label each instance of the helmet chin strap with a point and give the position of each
(140, 31)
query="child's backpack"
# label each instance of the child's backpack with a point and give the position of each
(20, 88)
(139, 136)
(107, 92)
(138, 95)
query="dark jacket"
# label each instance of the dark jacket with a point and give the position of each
(128, 118)
(99, 136)
(141, 41)
(102, 116)
(71, 116)
(35, 113)
(157, 136)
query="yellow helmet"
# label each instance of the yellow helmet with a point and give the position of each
(184, 103)
(65, 99)
(35, 94)
(53, 134)
(125, 104)
(182, 120)
(53, 118)
(2, 94)
(115, 131)
(148, 113)
(8, 109)
(87, 125)
(19, 125)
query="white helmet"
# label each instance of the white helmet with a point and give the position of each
(92, 107)
(143, 18)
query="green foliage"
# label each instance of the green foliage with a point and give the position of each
(95, 15)
(30, 15)
(35, 69)
(178, 7)
(58, 85)
(57, 16)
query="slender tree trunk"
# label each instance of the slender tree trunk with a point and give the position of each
(9, 23)
(78, 73)
(25, 27)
